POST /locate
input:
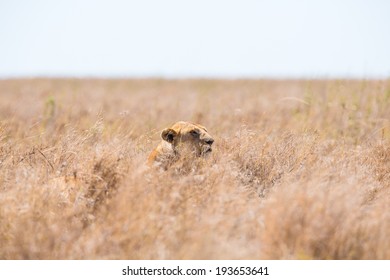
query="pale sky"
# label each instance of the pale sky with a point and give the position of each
(195, 38)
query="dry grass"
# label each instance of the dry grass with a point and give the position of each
(300, 169)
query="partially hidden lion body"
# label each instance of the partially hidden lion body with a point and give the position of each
(183, 139)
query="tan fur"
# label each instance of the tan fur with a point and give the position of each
(181, 139)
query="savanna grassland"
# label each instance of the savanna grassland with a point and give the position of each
(299, 170)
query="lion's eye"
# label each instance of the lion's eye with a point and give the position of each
(194, 133)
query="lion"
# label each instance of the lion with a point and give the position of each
(183, 139)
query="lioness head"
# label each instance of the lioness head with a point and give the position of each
(188, 137)
(183, 139)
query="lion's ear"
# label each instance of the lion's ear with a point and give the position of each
(168, 135)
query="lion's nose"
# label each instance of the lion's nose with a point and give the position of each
(209, 141)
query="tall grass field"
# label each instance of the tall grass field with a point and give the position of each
(300, 169)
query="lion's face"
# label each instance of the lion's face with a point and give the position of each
(188, 137)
